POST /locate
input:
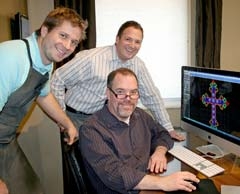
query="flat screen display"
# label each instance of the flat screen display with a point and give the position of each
(210, 100)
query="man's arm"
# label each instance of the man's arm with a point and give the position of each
(175, 181)
(152, 99)
(51, 107)
(69, 75)
(58, 88)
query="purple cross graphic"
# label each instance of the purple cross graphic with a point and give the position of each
(221, 102)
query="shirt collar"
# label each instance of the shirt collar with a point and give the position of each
(116, 58)
(36, 56)
(112, 121)
(114, 53)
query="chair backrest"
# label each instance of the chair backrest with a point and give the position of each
(75, 179)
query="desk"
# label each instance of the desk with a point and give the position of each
(231, 175)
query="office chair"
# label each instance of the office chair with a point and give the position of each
(75, 179)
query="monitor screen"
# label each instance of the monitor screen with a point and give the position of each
(210, 105)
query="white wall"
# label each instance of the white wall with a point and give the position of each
(230, 47)
(37, 11)
(165, 46)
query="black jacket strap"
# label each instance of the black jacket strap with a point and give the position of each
(28, 49)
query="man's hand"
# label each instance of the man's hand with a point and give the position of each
(3, 188)
(176, 181)
(71, 134)
(176, 135)
(179, 181)
(158, 161)
(51, 106)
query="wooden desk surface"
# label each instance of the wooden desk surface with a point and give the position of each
(231, 175)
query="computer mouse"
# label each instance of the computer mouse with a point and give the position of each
(194, 183)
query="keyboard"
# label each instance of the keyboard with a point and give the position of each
(196, 161)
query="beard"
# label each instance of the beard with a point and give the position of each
(126, 109)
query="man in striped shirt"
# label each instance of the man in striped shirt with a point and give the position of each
(79, 84)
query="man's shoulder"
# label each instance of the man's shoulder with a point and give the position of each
(94, 51)
(13, 54)
(142, 112)
(137, 60)
(12, 45)
(97, 116)
(99, 121)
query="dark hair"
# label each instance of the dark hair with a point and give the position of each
(129, 24)
(122, 71)
(57, 16)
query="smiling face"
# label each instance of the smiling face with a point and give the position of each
(129, 43)
(59, 43)
(122, 84)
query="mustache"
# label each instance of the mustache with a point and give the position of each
(128, 102)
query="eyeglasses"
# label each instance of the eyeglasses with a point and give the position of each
(121, 94)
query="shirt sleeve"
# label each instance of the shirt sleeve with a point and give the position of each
(160, 137)
(151, 98)
(69, 75)
(46, 89)
(14, 68)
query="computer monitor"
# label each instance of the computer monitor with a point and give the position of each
(210, 106)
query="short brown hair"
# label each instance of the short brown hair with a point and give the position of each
(122, 71)
(127, 24)
(57, 16)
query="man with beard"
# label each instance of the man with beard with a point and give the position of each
(121, 144)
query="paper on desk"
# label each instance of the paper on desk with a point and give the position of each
(212, 151)
(230, 189)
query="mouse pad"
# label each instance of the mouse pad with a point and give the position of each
(205, 186)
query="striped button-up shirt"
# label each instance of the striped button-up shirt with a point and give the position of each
(81, 83)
